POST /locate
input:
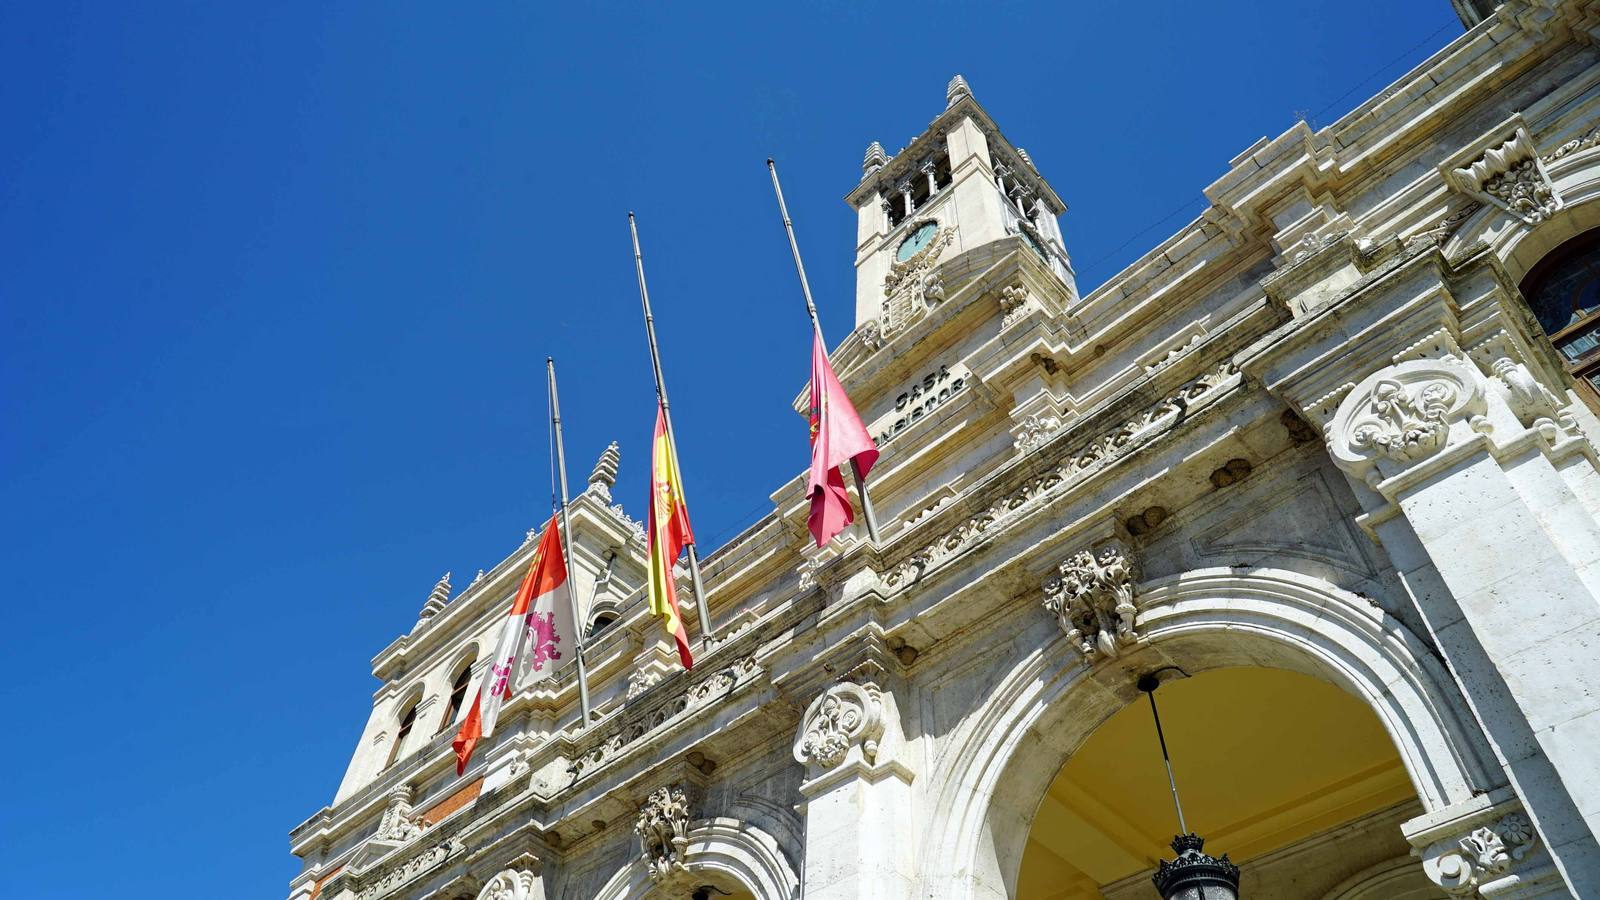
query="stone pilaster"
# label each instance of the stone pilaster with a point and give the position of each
(1472, 477)
(860, 834)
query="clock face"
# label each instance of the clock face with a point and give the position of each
(918, 239)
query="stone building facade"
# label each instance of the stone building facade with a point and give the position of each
(1325, 459)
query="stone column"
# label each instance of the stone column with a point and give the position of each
(1503, 561)
(860, 825)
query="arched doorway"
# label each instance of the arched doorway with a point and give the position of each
(732, 859)
(1048, 706)
(1293, 777)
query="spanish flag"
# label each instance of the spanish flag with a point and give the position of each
(668, 533)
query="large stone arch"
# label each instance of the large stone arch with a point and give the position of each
(1049, 703)
(721, 845)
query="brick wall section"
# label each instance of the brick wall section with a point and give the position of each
(453, 802)
(317, 888)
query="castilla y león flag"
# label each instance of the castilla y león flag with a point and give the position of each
(669, 532)
(837, 437)
(536, 629)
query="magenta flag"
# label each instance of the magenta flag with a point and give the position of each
(837, 437)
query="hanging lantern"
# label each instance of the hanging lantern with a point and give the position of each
(1194, 875)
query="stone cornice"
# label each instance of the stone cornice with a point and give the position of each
(966, 107)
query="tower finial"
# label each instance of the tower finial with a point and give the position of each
(438, 598)
(874, 160)
(958, 88)
(604, 476)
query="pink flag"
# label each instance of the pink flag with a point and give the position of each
(837, 437)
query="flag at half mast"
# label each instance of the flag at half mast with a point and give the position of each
(668, 533)
(837, 437)
(538, 625)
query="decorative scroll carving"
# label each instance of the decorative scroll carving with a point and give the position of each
(1073, 467)
(511, 884)
(1573, 146)
(1403, 413)
(1512, 177)
(1173, 355)
(663, 829)
(871, 336)
(642, 680)
(846, 715)
(1480, 856)
(1092, 599)
(1534, 405)
(608, 745)
(411, 868)
(912, 287)
(1034, 430)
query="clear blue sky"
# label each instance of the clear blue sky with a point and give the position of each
(278, 282)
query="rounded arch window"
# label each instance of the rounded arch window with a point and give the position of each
(407, 720)
(1563, 291)
(458, 693)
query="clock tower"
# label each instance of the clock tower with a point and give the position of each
(959, 187)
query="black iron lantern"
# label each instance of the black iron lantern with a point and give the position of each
(1194, 875)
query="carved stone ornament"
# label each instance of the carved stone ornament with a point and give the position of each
(604, 476)
(1013, 304)
(1034, 430)
(397, 824)
(1512, 177)
(663, 829)
(1403, 413)
(1534, 405)
(1092, 599)
(912, 287)
(1480, 856)
(846, 715)
(511, 885)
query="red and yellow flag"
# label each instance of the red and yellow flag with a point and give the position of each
(668, 533)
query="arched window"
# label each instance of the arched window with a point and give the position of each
(406, 721)
(601, 623)
(1564, 292)
(458, 695)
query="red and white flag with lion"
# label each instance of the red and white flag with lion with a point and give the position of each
(538, 631)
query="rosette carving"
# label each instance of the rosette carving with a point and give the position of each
(846, 715)
(1485, 853)
(1403, 413)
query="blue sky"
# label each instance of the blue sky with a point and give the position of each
(278, 283)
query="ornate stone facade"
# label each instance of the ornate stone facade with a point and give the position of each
(1316, 431)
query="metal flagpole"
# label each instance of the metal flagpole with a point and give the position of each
(706, 629)
(811, 310)
(566, 546)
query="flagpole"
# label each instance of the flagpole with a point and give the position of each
(706, 629)
(867, 512)
(566, 546)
